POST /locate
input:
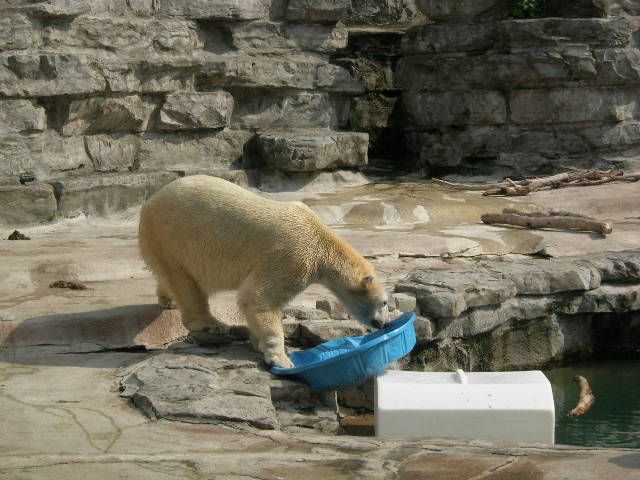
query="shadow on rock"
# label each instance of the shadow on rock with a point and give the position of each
(131, 327)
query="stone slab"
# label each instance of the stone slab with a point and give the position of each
(192, 111)
(130, 113)
(614, 32)
(540, 277)
(184, 151)
(21, 116)
(317, 10)
(107, 193)
(526, 68)
(126, 35)
(219, 10)
(16, 32)
(42, 155)
(315, 332)
(266, 110)
(313, 150)
(449, 293)
(147, 326)
(160, 74)
(27, 204)
(456, 108)
(35, 75)
(283, 72)
(112, 152)
(460, 10)
(567, 105)
(445, 38)
(277, 37)
(223, 385)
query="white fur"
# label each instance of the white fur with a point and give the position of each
(202, 235)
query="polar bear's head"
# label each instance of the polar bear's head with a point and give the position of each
(366, 300)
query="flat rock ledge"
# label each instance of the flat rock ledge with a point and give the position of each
(227, 385)
(525, 313)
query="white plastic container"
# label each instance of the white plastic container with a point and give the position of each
(498, 406)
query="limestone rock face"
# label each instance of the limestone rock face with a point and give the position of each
(558, 79)
(21, 116)
(219, 10)
(25, 204)
(523, 313)
(310, 151)
(30, 75)
(104, 114)
(448, 294)
(184, 111)
(317, 10)
(448, 86)
(453, 10)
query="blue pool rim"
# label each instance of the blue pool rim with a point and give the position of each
(392, 330)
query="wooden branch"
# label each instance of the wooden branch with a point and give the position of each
(467, 186)
(573, 178)
(532, 185)
(585, 399)
(527, 221)
(546, 213)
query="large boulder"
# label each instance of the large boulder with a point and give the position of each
(314, 150)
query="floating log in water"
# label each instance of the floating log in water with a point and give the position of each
(585, 399)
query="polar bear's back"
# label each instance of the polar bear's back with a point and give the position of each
(220, 232)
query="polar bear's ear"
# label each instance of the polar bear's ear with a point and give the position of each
(366, 281)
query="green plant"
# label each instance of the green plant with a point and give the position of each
(53, 216)
(525, 9)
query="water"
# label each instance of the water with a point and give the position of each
(614, 418)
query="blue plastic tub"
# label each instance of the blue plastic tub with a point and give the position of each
(345, 362)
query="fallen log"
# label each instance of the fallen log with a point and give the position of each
(574, 178)
(585, 398)
(519, 189)
(546, 213)
(562, 222)
(470, 186)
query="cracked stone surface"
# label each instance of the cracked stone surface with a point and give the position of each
(228, 385)
(62, 419)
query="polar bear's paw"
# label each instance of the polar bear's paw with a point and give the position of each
(278, 359)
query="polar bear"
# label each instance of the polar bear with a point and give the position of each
(202, 234)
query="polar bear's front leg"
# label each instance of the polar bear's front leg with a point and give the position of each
(266, 329)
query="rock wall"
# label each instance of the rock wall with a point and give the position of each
(519, 97)
(523, 314)
(103, 102)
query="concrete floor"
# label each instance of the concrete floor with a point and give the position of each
(61, 413)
